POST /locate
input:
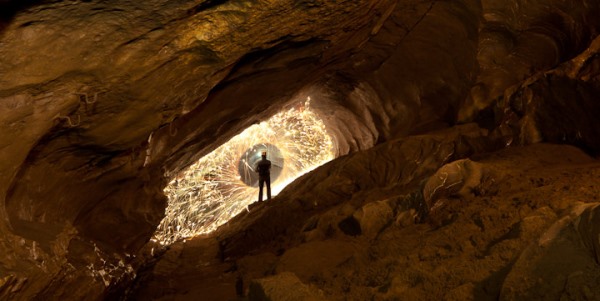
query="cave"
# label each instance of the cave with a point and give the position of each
(465, 134)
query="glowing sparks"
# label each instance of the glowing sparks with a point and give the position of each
(211, 191)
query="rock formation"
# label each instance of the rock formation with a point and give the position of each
(466, 131)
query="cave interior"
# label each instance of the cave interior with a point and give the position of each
(466, 139)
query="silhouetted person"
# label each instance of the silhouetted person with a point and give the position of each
(263, 168)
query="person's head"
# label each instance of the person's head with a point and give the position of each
(264, 154)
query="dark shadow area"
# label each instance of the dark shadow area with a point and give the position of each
(489, 288)
(205, 5)
(350, 226)
(285, 53)
(9, 8)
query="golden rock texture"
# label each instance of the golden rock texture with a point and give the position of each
(102, 102)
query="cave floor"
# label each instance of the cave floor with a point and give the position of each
(464, 250)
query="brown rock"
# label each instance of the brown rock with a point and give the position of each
(373, 217)
(282, 287)
(101, 103)
(562, 263)
(453, 179)
(312, 258)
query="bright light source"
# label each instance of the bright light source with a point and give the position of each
(222, 183)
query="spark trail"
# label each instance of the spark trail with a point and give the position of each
(212, 190)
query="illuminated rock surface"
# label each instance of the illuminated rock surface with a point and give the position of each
(102, 102)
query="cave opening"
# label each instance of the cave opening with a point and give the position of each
(223, 183)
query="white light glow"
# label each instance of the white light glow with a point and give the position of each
(211, 192)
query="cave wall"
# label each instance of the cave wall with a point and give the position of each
(100, 100)
(88, 131)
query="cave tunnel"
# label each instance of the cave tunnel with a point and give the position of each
(464, 139)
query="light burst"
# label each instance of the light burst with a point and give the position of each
(214, 189)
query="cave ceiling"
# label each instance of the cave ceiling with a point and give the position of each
(102, 102)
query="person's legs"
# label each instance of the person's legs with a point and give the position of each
(261, 183)
(268, 180)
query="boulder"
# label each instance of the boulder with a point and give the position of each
(562, 264)
(455, 178)
(374, 217)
